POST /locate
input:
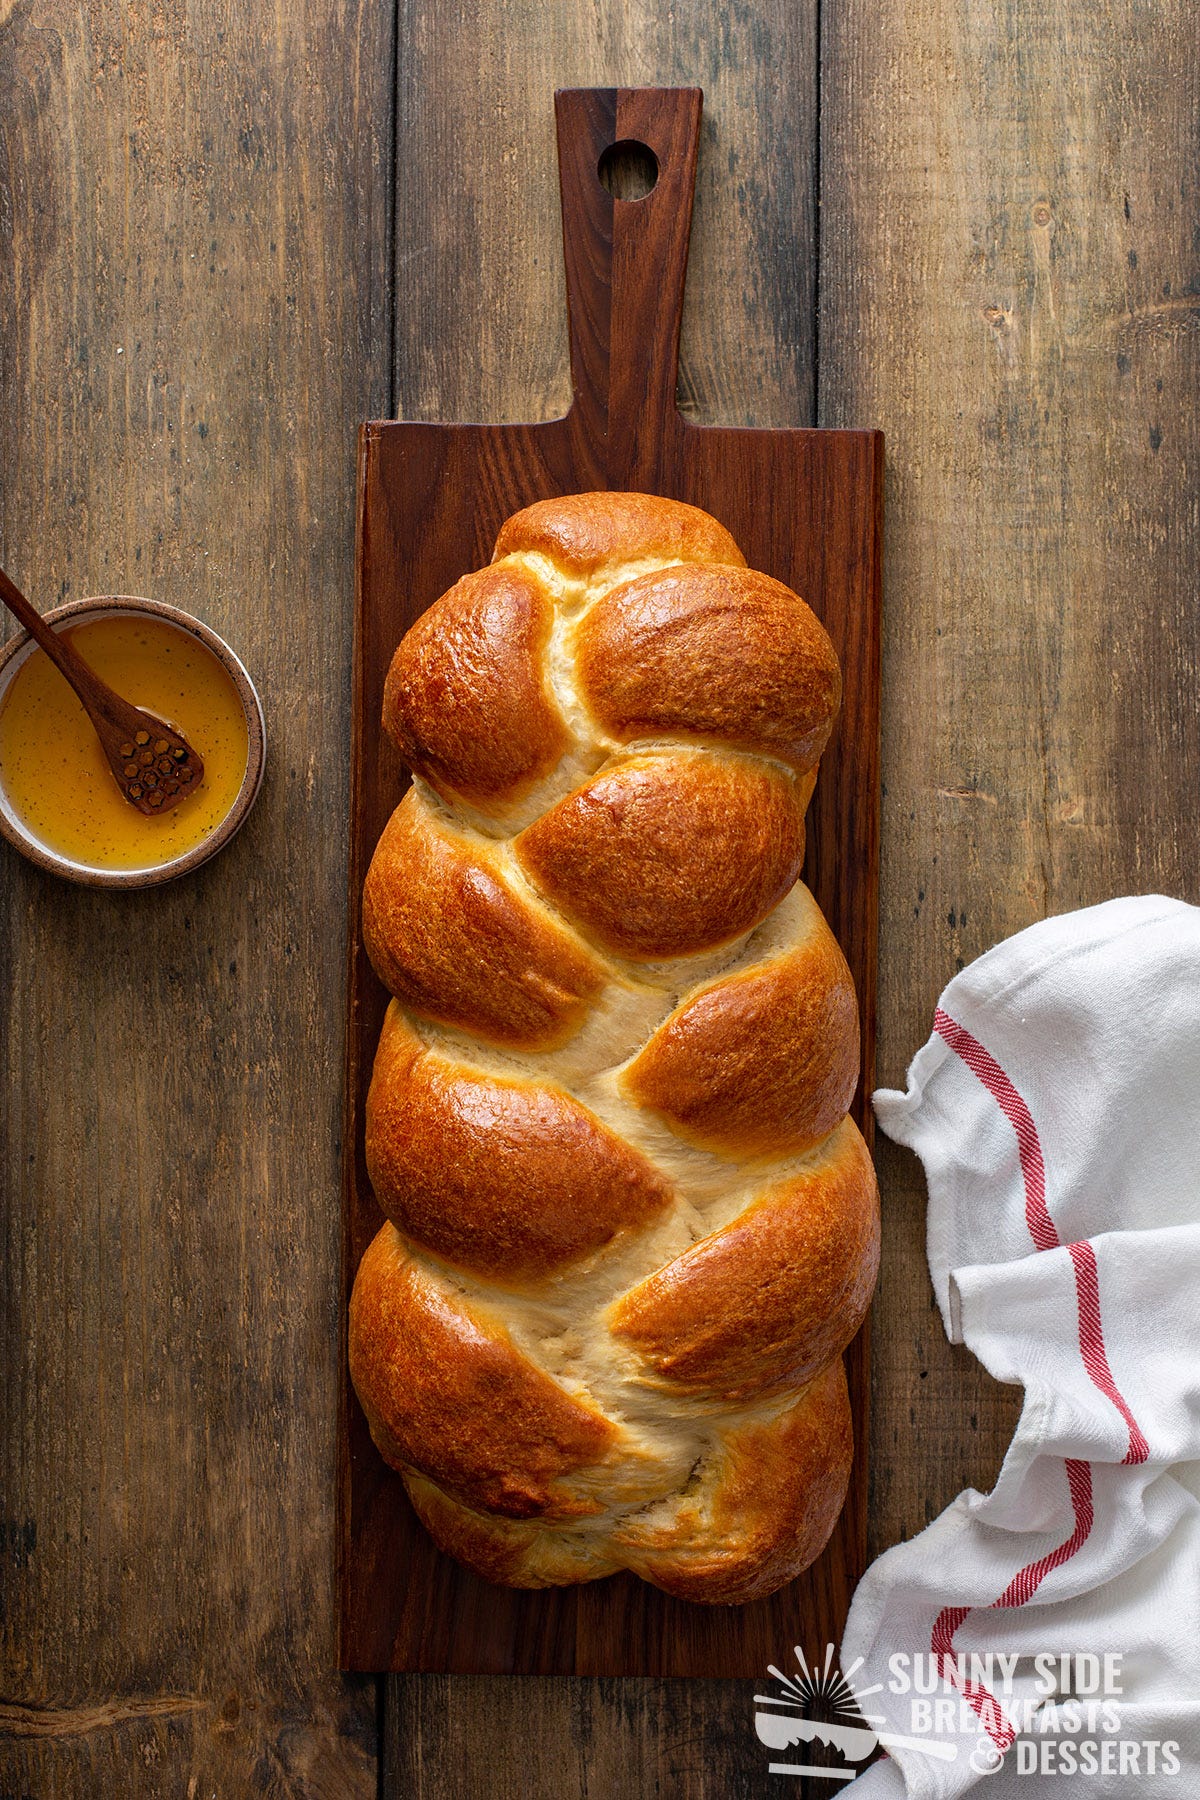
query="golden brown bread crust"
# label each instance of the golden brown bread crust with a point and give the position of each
(630, 1226)
(766, 1507)
(523, 1553)
(758, 1506)
(714, 653)
(774, 1296)
(590, 534)
(762, 1062)
(671, 853)
(449, 936)
(474, 1167)
(467, 704)
(446, 1392)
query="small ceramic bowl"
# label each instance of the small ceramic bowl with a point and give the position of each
(14, 654)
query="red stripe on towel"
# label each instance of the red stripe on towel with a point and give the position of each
(1041, 1226)
(1028, 1580)
(1024, 1584)
(1033, 1168)
(1091, 1347)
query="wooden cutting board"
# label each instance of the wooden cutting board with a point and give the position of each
(805, 506)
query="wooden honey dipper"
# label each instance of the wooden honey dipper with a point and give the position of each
(154, 767)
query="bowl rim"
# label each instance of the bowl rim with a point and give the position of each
(84, 874)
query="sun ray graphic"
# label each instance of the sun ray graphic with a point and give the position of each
(822, 1684)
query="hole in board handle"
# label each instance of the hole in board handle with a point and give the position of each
(628, 170)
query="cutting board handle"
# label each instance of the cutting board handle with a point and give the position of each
(625, 261)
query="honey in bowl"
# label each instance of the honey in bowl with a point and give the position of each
(52, 768)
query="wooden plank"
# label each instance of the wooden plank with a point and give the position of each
(1009, 289)
(481, 334)
(935, 121)
(914, 90)
(404, 1605)
(194, 315)
(481, 328)
(473, 1737)
(433, 498)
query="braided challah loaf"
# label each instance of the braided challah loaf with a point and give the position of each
(631, 1229)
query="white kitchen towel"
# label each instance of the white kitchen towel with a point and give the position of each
(1056, 1109)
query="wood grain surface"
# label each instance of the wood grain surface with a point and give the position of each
(1010, 282)
(168, 1625)
(432, 499)
(194, 316)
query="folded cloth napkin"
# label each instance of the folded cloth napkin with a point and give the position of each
(1056, 1109)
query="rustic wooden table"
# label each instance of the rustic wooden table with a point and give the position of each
(227, 235)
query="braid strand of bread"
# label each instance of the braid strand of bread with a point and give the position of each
(630, 1227)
